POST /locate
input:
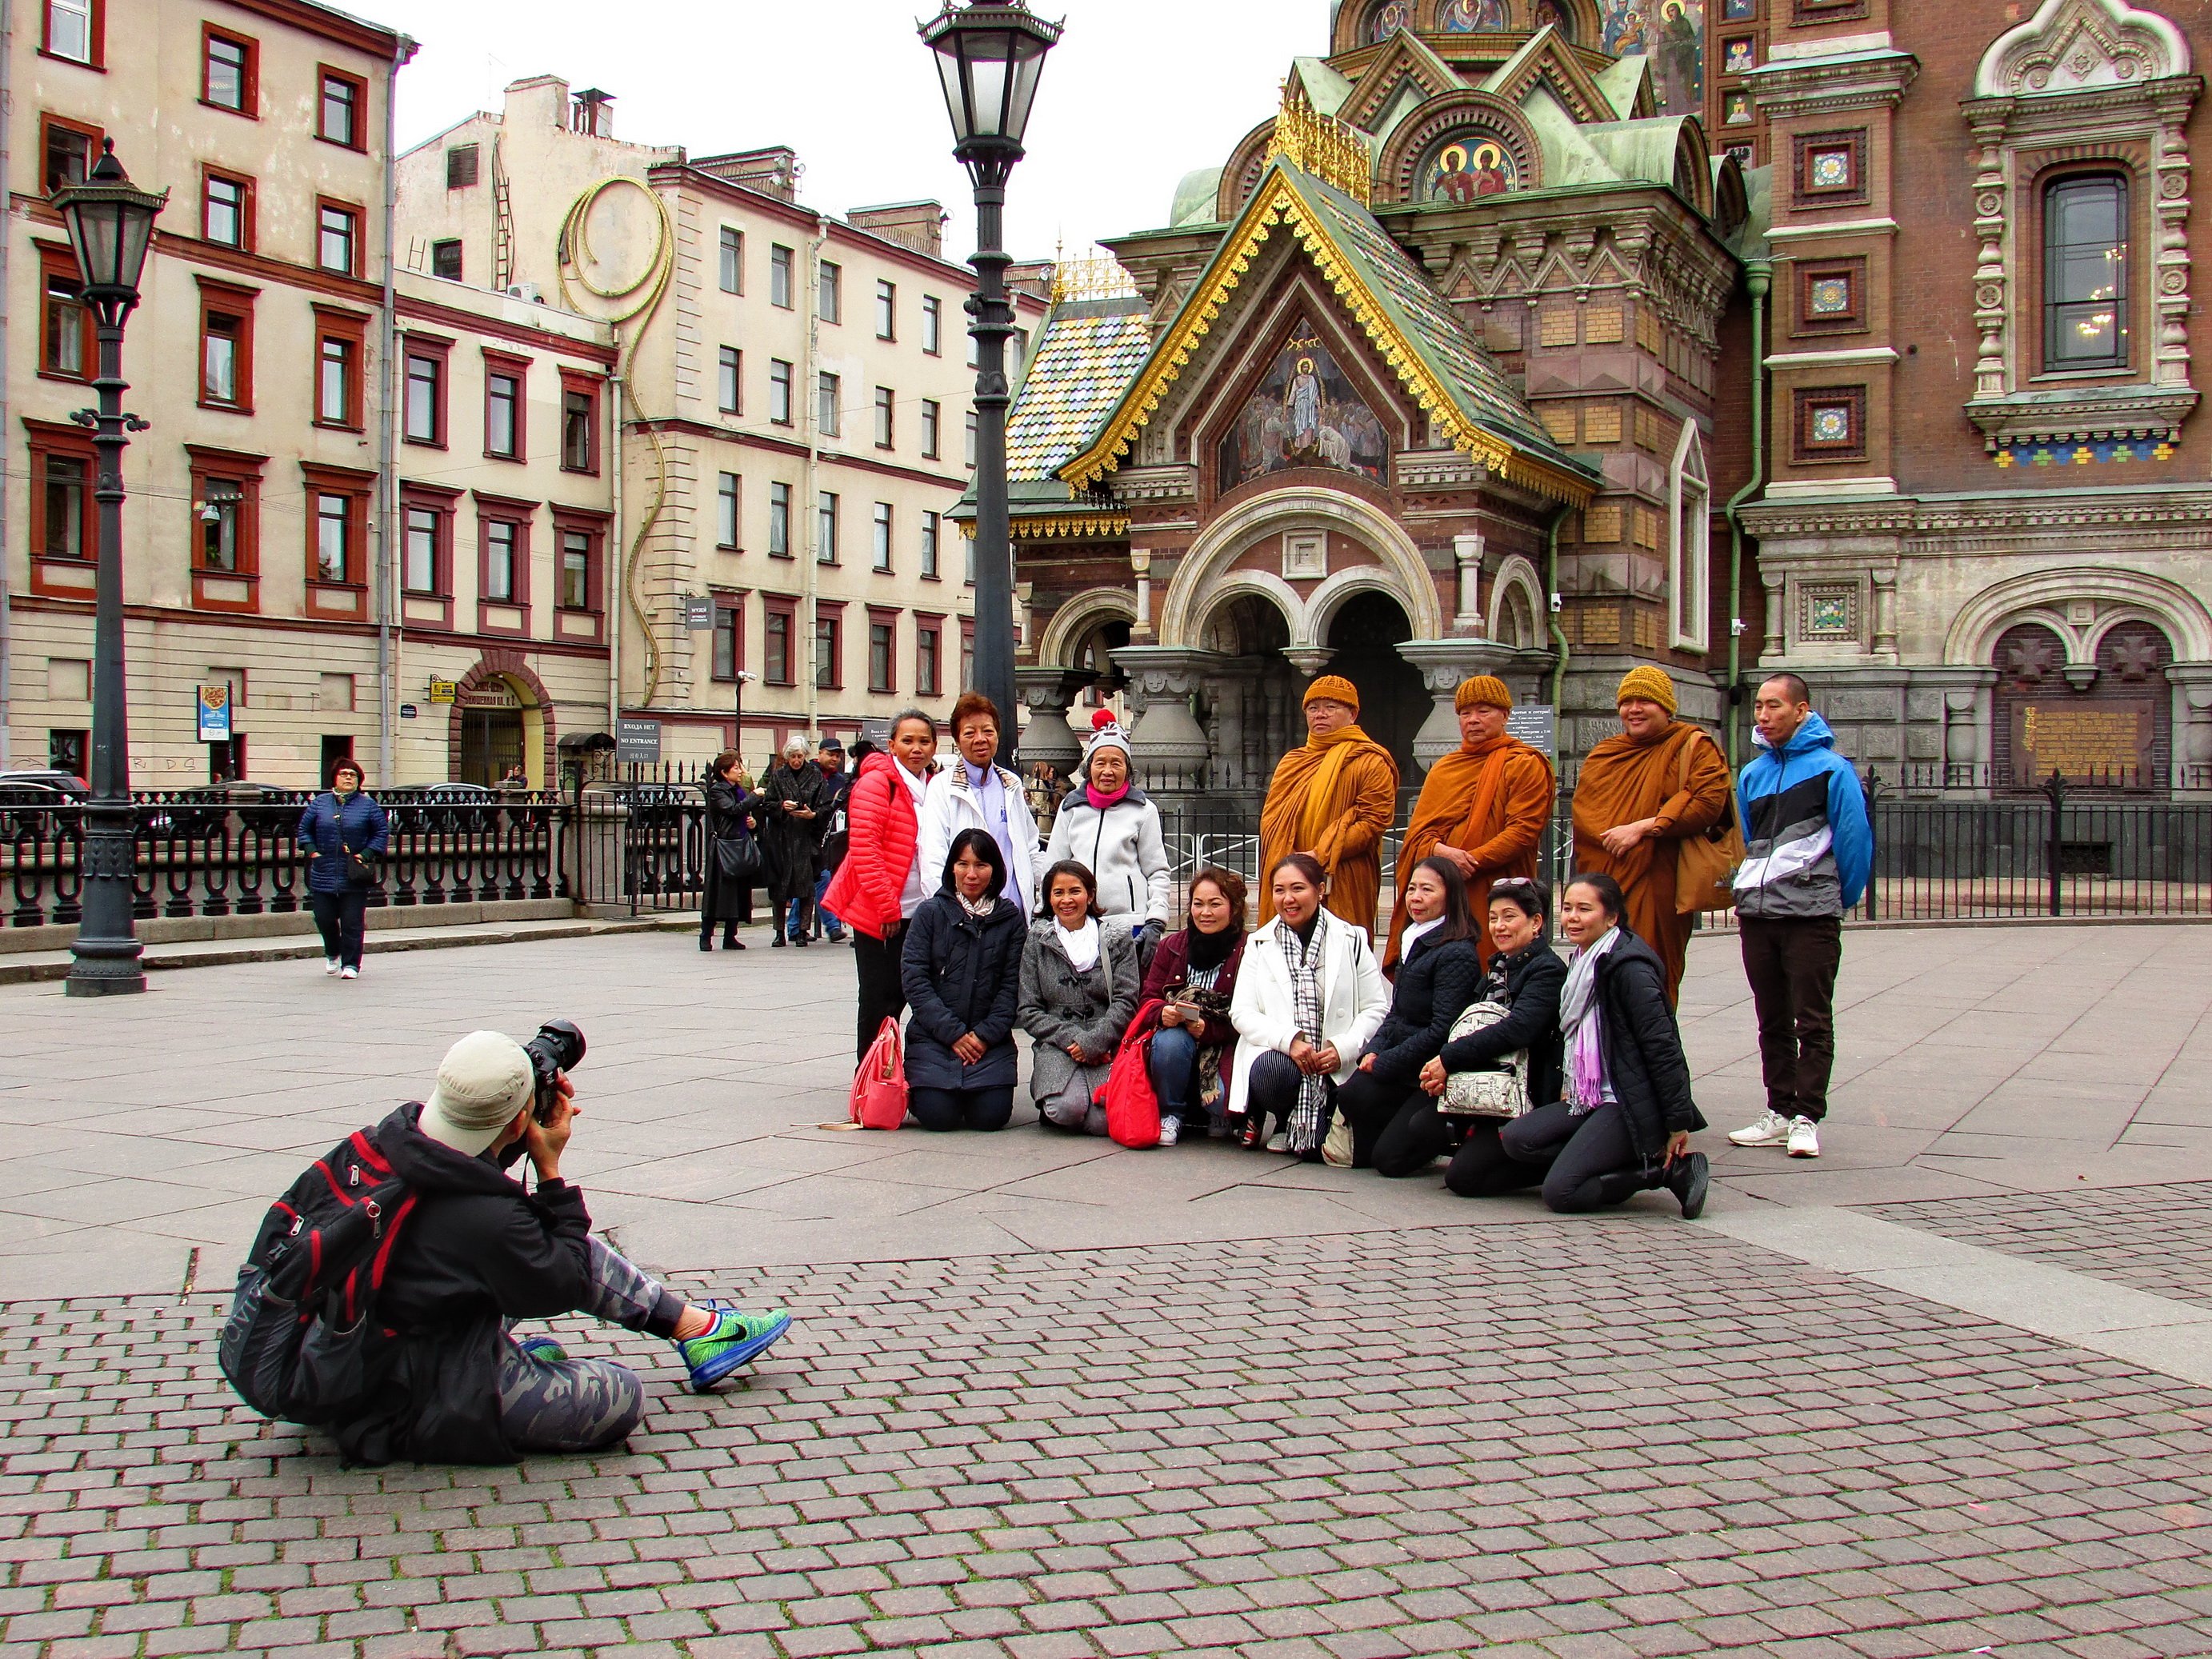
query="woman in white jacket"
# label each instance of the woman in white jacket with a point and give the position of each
(1107, 825)
(1309, 996)
(976, 792)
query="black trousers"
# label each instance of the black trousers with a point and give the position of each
(342, 919)
(1481, 1167)
(1373, 1107)
(1792, 969)
(943, 1111)
(1274, 1088)
(883, 995)
(1589, 1163)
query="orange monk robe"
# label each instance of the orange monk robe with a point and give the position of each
(1334, 798)
(1625, 781)
(1491, 801)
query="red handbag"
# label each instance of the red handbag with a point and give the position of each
(1132, 1109)
(879, 1086)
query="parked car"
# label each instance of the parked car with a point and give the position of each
(454, 809)
(28, 798)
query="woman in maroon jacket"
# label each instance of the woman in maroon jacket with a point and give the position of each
(1185, 1006)
(877, 889)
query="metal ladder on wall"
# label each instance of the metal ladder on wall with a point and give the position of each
(502, 233)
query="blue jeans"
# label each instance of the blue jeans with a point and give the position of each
(1173, 1062)
(834, 928)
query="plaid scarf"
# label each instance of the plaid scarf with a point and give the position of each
(1309, 1118)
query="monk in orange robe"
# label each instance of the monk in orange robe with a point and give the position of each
(1335, 799)
(1484, 807)
(1638, 796)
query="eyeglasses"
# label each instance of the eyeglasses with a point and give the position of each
(1513, 884)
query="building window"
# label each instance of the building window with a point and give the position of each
(1830, 167)
(341, 349)
(64, 501)
(335, 560)
(1690, 543)
(925, 635)
(932, 415)
(2085, 273)
(775, 647)
(580, 551)
(729, 637)
(728, 498)
(887, 311)
(69, 150)
(445, 260)
(504, 407)
(503, 562)
(338, 113)
(733, 260)
(779, 521)
(227, 210)
(779, 275)
(426, 397)
(779, 391)
(218, 514)
(424, 561)
(829, 293)
(825, 516)
(829, 416)
(967, 652)
(886, 403)
(729, 391)
(580, 426)
(337, 242)
(73, 31)
(226, 352)
(461, 166)
(880, 645)
(65, 338)
(932, 324)
(1831, 424)
(972, 432)
(883, 532)
(829, 657)
(226, 71)
(968, 546)
(929, 524)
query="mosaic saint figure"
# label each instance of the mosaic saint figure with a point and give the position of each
(1475, 17)
(1389, 18)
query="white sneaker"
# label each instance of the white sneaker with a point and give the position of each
(349, 973)
(329, 964)
(1771, 1130)
(1279, 1144)
(1171, 1131)
(1804, 1137)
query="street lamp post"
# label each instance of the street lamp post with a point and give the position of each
(989, 57)
(111, 225)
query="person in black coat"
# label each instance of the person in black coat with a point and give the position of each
(1626, 1123)
(962, 971)
(1525, 978)
(729, 898)
(1437, 971)
(794, 816)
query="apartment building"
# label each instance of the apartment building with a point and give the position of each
(416, 580)
(795, 403)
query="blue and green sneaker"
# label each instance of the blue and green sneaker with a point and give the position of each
(738, 1338)
(546, 1348)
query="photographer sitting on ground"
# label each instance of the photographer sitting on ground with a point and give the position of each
(480, 1251)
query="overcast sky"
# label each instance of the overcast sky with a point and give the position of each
(1137, 93)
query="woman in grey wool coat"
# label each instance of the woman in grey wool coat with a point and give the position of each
(1078, 995)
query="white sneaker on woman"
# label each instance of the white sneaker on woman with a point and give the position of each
(349, 973)
(1771, 1130)
(331, 965)
(1804, 1137)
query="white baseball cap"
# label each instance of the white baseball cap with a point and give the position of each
(484, 1079)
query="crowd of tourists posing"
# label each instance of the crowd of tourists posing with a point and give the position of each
(1466, 1038)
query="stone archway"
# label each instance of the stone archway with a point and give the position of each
(1364, 634)
(500, 707)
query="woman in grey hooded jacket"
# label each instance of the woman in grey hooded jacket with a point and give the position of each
(1078, 995)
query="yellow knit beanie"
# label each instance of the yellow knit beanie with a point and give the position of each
(1482, 689)
(1649, 682)
(1337, 688)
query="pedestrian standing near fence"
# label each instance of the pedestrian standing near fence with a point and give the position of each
(345, 836)
(1110, 827)
(734, 857)
(880, 886)
(837, 837)
(1335, 796)
(1810, 850)
(794, 815)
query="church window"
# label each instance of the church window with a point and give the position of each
(1689, 544)
(2085, 275)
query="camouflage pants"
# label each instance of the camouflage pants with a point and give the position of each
(582, 1405)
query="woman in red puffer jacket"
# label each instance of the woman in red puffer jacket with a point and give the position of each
(877, 889)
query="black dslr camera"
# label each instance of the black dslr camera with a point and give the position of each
(557, 1047)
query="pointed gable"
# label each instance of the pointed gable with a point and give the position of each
(1407, 60)
(1405, 321)
(1545, 60)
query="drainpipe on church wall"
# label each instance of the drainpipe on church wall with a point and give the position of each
(1759, 277)
(1559, 628)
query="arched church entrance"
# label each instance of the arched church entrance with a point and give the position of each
(1251, 704)
(1366, 636)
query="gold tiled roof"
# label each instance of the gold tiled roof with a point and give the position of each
(1090, 351)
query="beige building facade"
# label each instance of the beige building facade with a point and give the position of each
(795, 399)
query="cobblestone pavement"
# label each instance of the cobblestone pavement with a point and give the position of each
(2156, 1238)
(1626, 1437)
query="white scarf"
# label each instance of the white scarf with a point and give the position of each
(1415, 932)
(1082, 945)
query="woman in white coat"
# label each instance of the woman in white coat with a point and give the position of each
(1107, 825)
(976, 792)
(1309, 996)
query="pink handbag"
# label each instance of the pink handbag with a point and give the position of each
(879, 1086)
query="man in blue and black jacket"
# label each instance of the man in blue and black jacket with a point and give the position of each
(1809, 849)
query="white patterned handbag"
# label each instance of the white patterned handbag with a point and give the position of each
(1502, 1093)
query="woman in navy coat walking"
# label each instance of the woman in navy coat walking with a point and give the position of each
(343, 831)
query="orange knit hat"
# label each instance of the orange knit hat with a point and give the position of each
(1482, 689)
(1649, 682)
(1336, 688)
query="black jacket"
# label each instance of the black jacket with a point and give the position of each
(727, 808)
(793, 843)
(1436, 982)
(839, 836)
(475, 1250)
(1644, 1057)
(1529, 983)
(962, 974)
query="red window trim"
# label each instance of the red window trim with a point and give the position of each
(360, 227)
(776, 604)
(47, 121)
(352, 326)
(250, 91)
(413, 345)
(438, 502)
(929, 621)
(503, 509)
(248, 231)
(243, 468)
(323, 598)
(60, 262)
(591, 385)
(359, 107)
(832, 611)
(595, 525)
(98, 44)
(730, 602)
(228, 297)
(508, 362)
(64, 577)
(887, 615)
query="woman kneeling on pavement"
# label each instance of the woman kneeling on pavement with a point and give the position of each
(1185, 1007)
(1625, 1125)
(1309, 996)
(1437, 970)
(1525, 978)
(1078, 995)
(962, 970)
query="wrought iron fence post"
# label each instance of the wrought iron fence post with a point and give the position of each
(1870, 788)
(2054, 791)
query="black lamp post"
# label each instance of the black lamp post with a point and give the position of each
(111, 225)
(990, 57)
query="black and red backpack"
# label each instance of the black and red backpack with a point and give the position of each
(302, 1342)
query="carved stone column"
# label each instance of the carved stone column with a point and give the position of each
(1444, 665)
(1171, 747)
(1885, 612)
(1140, 562)
(1777, 623)
(1468, 551)
(1046, 692)
(2192, 729)
(1310, 660)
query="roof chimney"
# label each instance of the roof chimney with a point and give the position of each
(773, 172)
(917, 225)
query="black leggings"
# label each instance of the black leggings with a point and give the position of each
(1588, 1162)
(943, 1111)
(883, 993)
(1274, 1088)
(1373, 1108)
(1418, 1134)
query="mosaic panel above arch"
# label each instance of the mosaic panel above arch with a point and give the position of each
(1473, 17)
(1461, 148)
(1304, 412)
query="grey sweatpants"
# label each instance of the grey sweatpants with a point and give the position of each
(584, 1405)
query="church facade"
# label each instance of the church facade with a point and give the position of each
(1478, 356)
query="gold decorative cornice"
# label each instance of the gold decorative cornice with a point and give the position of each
(1065, 526)
(1100, 278)
(1333, 153)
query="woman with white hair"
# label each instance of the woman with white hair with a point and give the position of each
(1107, 824)
(794, 817)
